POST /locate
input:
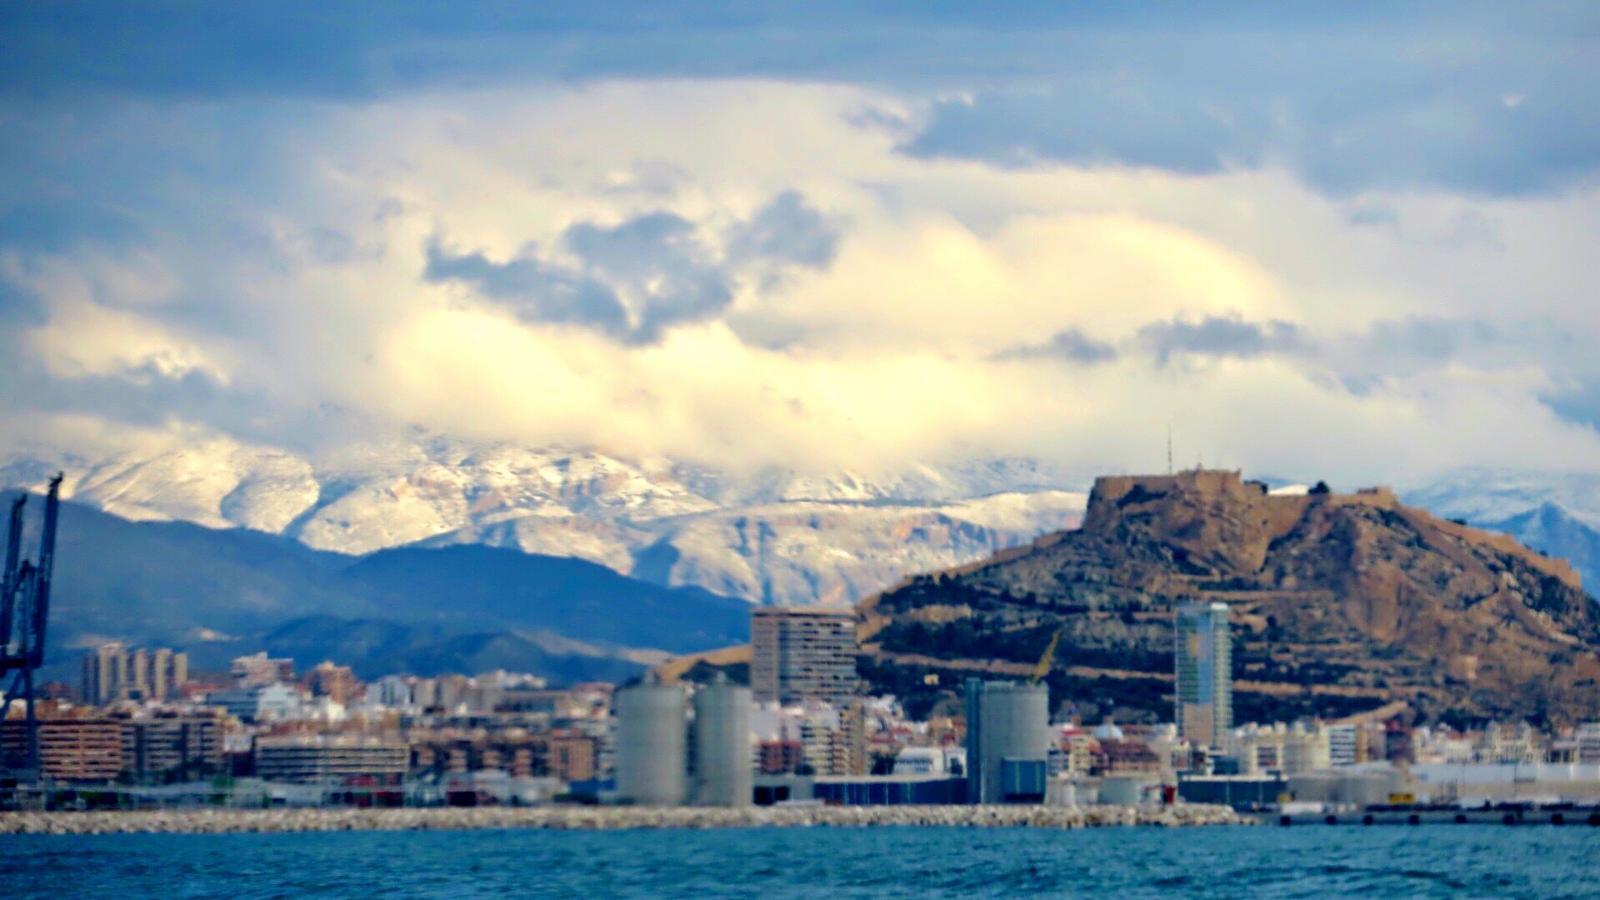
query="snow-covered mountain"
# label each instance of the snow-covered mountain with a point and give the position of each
(1557, 514)
(801, 551)
(1550, 530)
(770, 536)
(1482, 495)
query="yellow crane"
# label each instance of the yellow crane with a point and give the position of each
(1042, 668)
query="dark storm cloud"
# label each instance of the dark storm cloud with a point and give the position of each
(144, 396)
(1578, 403)
(662, 262)
(1227, 336)
(785, 231)
(1358, 361)
(1071, 345)
(1092, 123)
(355, 50)
(536, 292)
(1401, 348)
(1488, 98)
(1453, 109)
(657, 265)
(1373, 217)
(1427, 338)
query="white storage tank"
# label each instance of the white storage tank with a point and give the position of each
(723, 770)
(652, 744)
(1124, 790)
(1014, 724)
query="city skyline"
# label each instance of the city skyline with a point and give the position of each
(641, 449)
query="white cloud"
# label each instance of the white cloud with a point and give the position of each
(895, 350)
(104, 318)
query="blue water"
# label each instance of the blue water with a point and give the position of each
(1428, 861)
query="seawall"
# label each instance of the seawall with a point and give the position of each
(591, 818)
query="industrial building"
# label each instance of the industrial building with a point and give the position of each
(652, 746)
(802, 654)
(112, 672)
(1289, 749)
(1203, 660)
(722, 775)
(1008, 741)
(944, 761)
(1242, 792)
(890, 790)
(331, 759)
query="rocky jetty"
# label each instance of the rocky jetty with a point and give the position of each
(593, 818)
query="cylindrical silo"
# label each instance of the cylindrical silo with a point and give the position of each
(651, 744)
(722, 745)
(1014, 724)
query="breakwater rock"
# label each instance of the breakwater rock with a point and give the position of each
(230, 821)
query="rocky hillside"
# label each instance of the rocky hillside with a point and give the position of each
(1342, 602)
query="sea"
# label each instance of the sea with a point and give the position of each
(1309, 861)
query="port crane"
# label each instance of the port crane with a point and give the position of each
(1042, 667)
(24, 613)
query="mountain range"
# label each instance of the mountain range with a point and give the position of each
(285, 545)
(1554, 513)
(766, 537)
(219, 593)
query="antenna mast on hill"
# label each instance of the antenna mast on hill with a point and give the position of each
(1169, 449)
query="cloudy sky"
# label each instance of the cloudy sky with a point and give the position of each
(1336, 239)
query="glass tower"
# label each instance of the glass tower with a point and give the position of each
(1203, 659)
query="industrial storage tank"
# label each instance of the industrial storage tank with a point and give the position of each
(1013, 724)
(1125, 790)
(723, 761)
(652, 744)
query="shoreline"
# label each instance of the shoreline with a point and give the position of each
(606, 818)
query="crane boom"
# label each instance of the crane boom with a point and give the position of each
(24, 614)
(1042, 668)
(43, 571)
(8, 575)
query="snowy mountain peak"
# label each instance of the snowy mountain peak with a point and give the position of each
(772, 536)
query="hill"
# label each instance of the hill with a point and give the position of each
(493, 588)
(1341, 603)
(220, 592)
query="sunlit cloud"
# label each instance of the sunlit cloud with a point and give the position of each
(815, 267)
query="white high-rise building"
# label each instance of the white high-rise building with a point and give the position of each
(112, 672)
(1203, 660)
(1344, 745)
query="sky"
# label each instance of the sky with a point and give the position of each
(1353, 241)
